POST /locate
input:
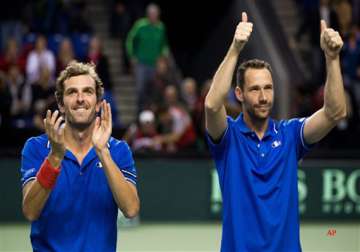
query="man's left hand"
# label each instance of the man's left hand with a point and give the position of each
(103, 127)
(330, 41)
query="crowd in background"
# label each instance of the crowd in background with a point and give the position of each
(170, 113)
(37, 42)
(170, 107)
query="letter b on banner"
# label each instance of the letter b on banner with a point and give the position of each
(336, 186)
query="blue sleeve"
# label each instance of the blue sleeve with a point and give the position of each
(220, 149)
(217, 149)
(296, 127)
(123, 158)
(31, 161)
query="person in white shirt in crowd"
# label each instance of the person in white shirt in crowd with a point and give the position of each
(141, 135)
(38, 58)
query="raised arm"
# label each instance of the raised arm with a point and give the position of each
(215, 114)
(321, 122)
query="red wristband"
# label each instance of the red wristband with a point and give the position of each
(47, 175)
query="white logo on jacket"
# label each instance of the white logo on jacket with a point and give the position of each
(276, 143)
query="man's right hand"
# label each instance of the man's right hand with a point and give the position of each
(243, 32)
(55, 132)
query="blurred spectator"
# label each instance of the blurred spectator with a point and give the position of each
(43, 97)
(344, 13)
(164, 76)
(141, 136)
(171, 96)
(177, 130)
(12, 56)
(310, 27)
(39, 58)
(146, 42)
(351, 56)
(65, 55)
(200, 109)
(20, 96)
(96, 56)
(120, 23)
(351, 63)
(312, 12)
(5, 102)
(189, 94)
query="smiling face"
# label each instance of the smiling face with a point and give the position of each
(80, 103)
(257, 93)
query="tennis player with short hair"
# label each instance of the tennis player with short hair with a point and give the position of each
(76, 176)
(256, 157)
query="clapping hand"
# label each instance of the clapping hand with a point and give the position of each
(55, 132)
(103, 127)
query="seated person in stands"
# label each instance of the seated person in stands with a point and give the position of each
(189, 94)
(141, 136)
(96, 55)
(20, 92)
(12, 56)
(65, 55)
(39, 57)
(177, 130)
(164, 76)
(43, 97)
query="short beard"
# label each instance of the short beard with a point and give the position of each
(254, 117)
(81, 126)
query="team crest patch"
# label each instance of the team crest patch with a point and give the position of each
(276, 144)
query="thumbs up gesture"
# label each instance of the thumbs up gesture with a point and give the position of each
(330, 41)
(242, 33)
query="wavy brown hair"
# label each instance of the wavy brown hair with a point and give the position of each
(75, 68)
